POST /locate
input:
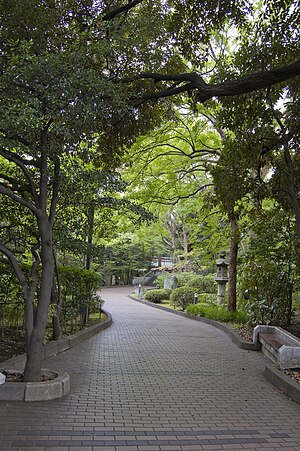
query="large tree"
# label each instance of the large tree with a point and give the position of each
(169, 173)
(58, 66)
(73, 70)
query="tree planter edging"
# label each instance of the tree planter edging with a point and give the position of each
(57, 387)
(54, 388)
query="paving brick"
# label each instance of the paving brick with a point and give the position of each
(155, 381)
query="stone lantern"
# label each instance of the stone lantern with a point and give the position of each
(221, 278)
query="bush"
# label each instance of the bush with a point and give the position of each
(184, 277)
(208, 298)
(218, 313)
(78, 291)
(157, 296)
(183, 296)
(205, 284)
(160, 280)
(268, 287)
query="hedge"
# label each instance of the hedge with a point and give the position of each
(205, 284)
(183, 296)
(157, 296)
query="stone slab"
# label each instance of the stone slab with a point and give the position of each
(289, 357)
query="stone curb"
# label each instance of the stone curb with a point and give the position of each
(56, 347)
(37, 391)
(275, 376)
(52, 389)
(243, 344)
(287, 385)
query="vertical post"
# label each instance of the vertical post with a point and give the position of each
(195, 298)
(221, 293)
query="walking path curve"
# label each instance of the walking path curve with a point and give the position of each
(155, 381)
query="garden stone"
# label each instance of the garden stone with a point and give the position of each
(170, 282)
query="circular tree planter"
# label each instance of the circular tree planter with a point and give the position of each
(56, 386)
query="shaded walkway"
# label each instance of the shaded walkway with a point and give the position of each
(155, 381)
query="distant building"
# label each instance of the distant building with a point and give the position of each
(162, 262)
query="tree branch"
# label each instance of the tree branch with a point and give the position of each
(21, 163)
(54, 199)
(14, 264)
(16, 137)
(122, 9)
(21, 200)
(205, 91)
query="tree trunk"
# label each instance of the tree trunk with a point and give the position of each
(294, 198)
(186, 236)
(57, 331)
(28, 317)
(232, 271)
(91, 218)
(32, 371)
(292, 188)
(56, 301)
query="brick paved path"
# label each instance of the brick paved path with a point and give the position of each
(155, 381)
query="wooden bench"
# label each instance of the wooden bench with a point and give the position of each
(278, 345)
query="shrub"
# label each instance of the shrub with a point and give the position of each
(205, 284)
(157, 296)
(78, 291)
(208, 298)
(183, 296)
(160, 280)
(218, 313)
(268, 287)
(183, 277)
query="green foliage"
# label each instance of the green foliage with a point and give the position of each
(160, 280)
(268, 271)
(217, 313)
(157, 296)
(183, 296)
(79, 280)
(127, 256)
(206, 284)
(78, 291)
(184, 277)
(11, 300)
(269, 293)
(208, 298)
